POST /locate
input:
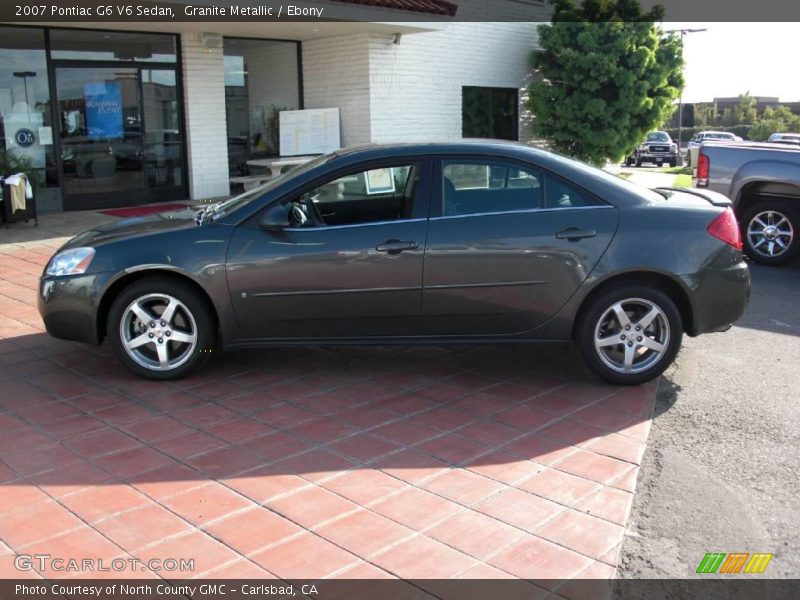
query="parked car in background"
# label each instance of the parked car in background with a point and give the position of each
(462, 242)
(697, 141)
(715, 136)
(658, 148)
(763, 181)
(785, 138)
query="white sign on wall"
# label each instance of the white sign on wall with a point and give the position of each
(311, 131)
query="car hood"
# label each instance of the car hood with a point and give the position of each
(133, 227)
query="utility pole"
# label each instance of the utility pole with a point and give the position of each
(682, 32)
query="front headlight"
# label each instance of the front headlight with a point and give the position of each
(673, 147)
(70, 262)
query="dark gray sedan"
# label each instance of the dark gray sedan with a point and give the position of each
(465, 242)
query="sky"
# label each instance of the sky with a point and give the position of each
(733, 58)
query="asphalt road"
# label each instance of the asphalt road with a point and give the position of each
(722, 468)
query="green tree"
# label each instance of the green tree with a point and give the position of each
(745, 113)
(705, 114)
(775, 120)
(606, 75)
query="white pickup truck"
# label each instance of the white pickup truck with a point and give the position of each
(763, 182)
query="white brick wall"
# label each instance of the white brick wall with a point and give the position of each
(411, 91)
(385, 92)
(416, 84)
(336, 74)
(206, 139)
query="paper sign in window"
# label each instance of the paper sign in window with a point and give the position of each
(380, 181)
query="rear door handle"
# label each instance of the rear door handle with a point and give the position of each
(573, 234)
(396, 246)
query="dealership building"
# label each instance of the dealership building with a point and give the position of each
(124, 113)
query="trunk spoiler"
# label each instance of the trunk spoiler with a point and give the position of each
(713, 198)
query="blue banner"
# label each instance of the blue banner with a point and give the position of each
(103, 110)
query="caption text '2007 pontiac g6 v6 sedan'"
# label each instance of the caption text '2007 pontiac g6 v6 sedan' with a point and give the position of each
(463, 242)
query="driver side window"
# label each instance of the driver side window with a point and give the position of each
(372, 195)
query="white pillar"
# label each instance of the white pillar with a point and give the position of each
(204, 106)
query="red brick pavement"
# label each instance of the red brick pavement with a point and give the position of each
(312, 463)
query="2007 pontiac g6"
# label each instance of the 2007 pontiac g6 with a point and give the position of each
(463, 242)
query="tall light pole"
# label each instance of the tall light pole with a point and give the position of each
(682, 32)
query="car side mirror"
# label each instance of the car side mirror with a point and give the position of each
(275, 217)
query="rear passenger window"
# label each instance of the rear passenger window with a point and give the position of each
(559, 194)
(471, 187)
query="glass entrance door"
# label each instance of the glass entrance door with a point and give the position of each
(100, 121)
(119, 136)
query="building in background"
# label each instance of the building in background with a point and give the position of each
(149, 112)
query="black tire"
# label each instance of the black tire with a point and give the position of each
(750, 237)
(635, 297)
(191, 306)
(629, 162)
(673, 162)
(659, 163)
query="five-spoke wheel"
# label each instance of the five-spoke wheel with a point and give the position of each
(630, 333)
(158, 332)
(161, 328)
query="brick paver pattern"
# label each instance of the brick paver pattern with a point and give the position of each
(312, 462)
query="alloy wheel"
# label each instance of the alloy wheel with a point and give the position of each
(632, 335)
(158, 332)
(770, 233)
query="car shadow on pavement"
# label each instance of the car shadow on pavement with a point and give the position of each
(263, 445)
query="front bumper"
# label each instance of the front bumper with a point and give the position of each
(719, 294)
(69, 305)
(657, 155)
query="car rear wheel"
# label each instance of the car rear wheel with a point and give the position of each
(630, 334)
(161, 328)
(770, 231)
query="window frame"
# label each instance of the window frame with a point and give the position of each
(419, 209)
(437, 187)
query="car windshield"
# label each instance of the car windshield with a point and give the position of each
(658, 136)
(230, 205)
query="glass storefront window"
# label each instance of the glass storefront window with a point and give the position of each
(163, 139)
(83, 44)
(25, 125)
(261, 79)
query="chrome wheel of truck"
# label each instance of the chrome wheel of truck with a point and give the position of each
(770, 233)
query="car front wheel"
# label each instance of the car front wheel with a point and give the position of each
(630, 334)
(770, 231)
(161, 328)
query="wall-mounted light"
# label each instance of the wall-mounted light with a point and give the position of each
(211, 42)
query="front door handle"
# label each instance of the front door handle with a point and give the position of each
(573, 234)
(396, 246)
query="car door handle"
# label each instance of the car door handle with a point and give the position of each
(573, 234)
(396, 246)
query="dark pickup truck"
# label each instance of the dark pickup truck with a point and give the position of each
(763, 182)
